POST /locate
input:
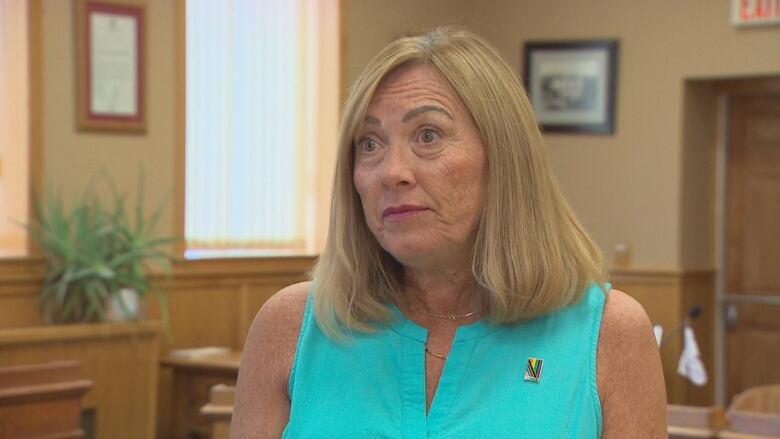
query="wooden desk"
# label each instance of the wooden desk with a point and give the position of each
(193, 378)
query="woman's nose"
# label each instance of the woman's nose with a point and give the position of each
(397, 168)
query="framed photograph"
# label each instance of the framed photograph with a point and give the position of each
(110, 66)
(572, 85)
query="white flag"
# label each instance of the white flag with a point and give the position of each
(690, 364)
(658, 330)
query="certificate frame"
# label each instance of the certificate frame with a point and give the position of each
(110, 66)
(572, 84)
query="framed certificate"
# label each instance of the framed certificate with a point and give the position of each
(110, 67)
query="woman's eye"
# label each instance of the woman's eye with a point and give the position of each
(428, 135)
(368, 145)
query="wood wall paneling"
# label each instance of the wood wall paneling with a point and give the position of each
(667, 296)
(213, 303)
(20, 283)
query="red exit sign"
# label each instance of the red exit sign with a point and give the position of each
(754, 12)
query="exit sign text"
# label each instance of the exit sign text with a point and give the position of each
(755, 12)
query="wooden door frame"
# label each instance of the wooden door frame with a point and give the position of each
(725, 90)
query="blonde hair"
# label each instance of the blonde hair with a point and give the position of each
(531, 255)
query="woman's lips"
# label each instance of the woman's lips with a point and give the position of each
(402, 212)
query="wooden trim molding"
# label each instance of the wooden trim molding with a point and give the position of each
(650, 275)
(275, 266)
(741, 86)
(59, 333)
(32, 270)
(19, 271)
(181, 126)
(240, 285)
(35, 90)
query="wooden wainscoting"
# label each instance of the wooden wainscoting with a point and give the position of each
(211, 302)
(667, 296)
(20, 283)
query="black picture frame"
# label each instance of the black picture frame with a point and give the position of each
(572, 85)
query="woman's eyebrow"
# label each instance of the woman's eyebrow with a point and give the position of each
(372, 120)
(424, 109)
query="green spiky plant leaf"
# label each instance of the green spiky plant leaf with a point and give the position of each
(95, 248)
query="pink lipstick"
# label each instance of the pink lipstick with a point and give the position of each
(402, 211)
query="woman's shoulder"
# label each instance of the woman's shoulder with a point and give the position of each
(273, 337)
(625, 330)
(623, 312)
(262, 403)
(281, 315)
(291, 298)
(630, 379)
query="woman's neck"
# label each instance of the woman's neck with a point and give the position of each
(440, 291)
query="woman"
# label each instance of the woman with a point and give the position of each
(457, 295)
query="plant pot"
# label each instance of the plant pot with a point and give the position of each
(124, 306)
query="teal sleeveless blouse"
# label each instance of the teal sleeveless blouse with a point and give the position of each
(535, 379)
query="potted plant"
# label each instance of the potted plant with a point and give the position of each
(98, 254)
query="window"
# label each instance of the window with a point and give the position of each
(13, 127)
(262, 80)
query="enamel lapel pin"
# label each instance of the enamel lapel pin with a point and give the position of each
(533, 369)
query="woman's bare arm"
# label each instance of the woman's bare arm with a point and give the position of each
(262, 406)
(630, 379)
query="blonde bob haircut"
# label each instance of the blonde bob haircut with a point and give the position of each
(531, 256)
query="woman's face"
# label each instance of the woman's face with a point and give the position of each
(420, 169)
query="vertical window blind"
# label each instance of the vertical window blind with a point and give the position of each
(255, 134)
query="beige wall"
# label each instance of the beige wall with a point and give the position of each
(370, 24)
(72, 157)
(626, 187)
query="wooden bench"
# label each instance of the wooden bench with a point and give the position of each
(42, 401)
(195, 372)
(121, 359)
(754, 414)
(695, 422)
(219, 410)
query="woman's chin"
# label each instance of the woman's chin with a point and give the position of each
(416, 254)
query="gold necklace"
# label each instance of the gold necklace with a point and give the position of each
(435, 355)
(420, 310)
